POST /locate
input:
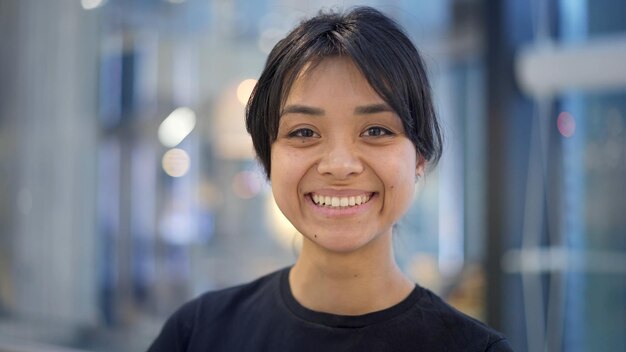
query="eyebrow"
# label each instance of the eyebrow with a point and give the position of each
(359, 110)
(302, 109)
(372, 109)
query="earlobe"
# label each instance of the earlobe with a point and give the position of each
(419, 167)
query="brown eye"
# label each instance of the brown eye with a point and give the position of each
(302, 133)
(377, 132)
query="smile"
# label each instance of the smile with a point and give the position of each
(340, 202)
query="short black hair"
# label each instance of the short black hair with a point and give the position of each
(381, 50)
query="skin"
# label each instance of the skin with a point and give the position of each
(337, 137)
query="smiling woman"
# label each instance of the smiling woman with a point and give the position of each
(342, 120)
(346, 143)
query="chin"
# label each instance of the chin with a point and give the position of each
(340, 243)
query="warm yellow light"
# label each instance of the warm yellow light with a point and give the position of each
(177, 126)
(244, 90)
(176, 162)
(284, 232)
(91, 4)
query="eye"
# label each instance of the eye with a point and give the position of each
(377, 131)
(302, 133)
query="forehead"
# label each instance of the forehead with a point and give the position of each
(330, 79)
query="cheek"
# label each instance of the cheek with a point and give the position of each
(400, 163)
(285, 166)
(401, 183)
(400, 179)
(286, 175)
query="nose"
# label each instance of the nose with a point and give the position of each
(340, 160)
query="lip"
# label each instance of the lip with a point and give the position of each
(337, 212)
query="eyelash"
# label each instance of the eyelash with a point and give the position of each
(381, 132)
(299, 133)
(309, 133)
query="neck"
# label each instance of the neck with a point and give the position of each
(348, 283)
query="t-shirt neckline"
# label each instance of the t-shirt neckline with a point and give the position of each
(343, 321)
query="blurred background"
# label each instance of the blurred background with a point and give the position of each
(128, 183)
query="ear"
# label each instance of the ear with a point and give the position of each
(420, 166)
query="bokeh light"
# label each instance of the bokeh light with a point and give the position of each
(91, 4)
(283, 231)
(268, 39)
(177, 126)
(244, 90)
(176, 162)
(228, 128)
(566, 124)
(247, 184)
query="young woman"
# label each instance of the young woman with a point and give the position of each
(343, 122)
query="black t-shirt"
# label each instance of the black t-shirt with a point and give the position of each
(264, 316)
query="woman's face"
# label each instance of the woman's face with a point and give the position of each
(343, 170)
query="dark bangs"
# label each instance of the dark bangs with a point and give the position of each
(377, 46)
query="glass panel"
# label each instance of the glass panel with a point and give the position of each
(595, 204)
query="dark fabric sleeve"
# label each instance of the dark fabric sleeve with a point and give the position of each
(501, 345)
(176, 332)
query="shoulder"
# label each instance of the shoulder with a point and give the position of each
(212, 311)
(458, 328)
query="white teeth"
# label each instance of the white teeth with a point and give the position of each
(340, 201)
